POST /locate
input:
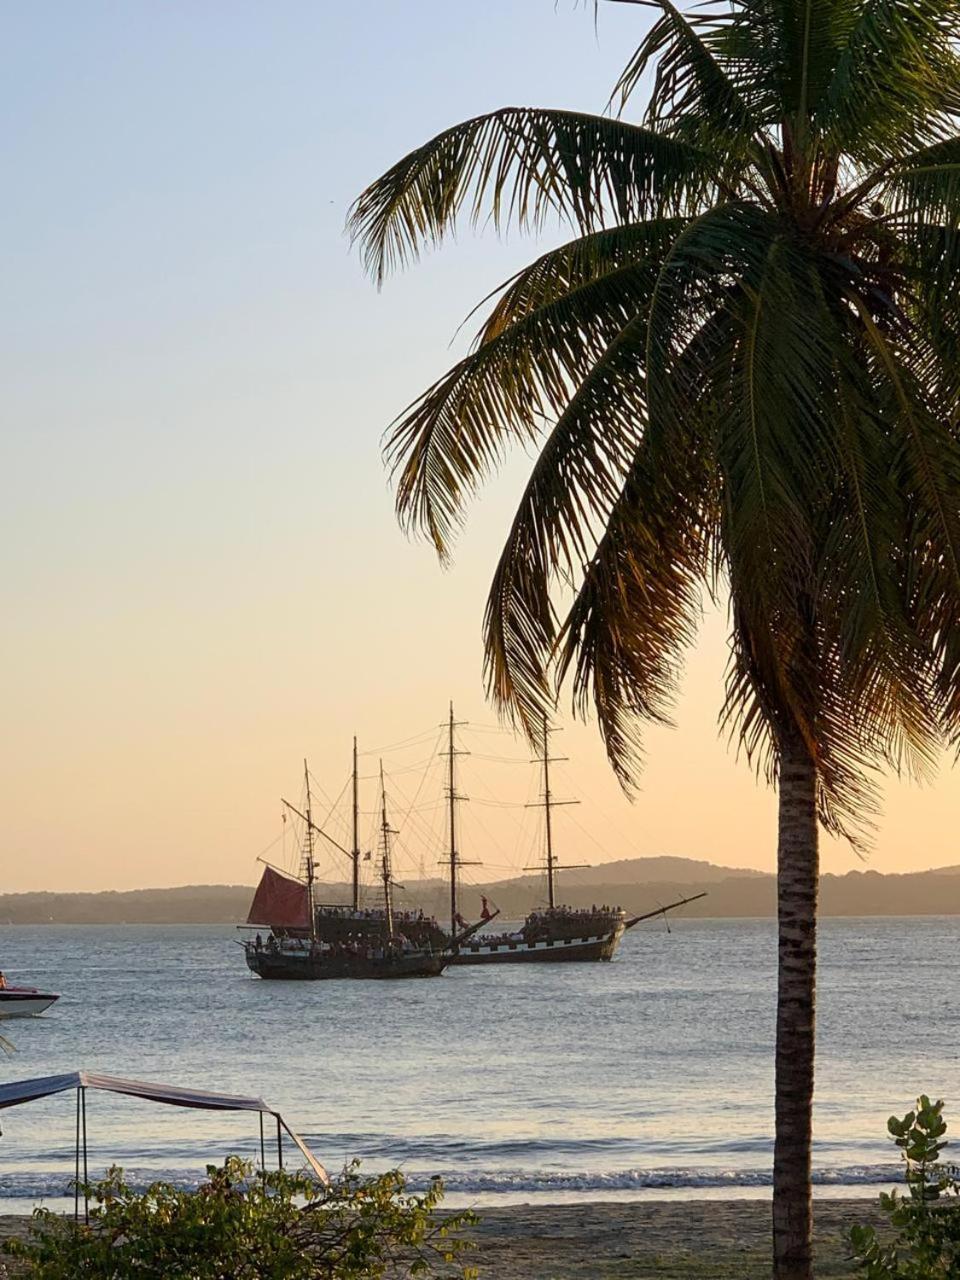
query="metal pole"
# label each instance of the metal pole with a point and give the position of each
(279, 1145)
(86, 1197)
(263, 1153)
(76, 1168)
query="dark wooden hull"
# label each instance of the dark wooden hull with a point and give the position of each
(557, 951)
(318, 968)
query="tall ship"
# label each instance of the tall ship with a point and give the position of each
(553, 933)
(316, 941)
(307, 939)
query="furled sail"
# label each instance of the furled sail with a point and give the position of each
(280, 901)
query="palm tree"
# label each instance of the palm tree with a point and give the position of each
(741, 375)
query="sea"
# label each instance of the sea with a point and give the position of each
(648, 1076)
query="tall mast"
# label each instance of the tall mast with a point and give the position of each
(453, 859)
(385, 865)
(308, 854)
(548, 804)
(452, 797)
(546, 809)
(355, 851)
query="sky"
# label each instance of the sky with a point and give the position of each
(204, 581)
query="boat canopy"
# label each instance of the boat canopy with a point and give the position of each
(280, 901)
(20, 1091)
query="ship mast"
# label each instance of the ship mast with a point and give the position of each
(312, 829)
(453, 859)
(385, 868)
(547, 798)
(308, 855)
(355, 850)
(548, 803)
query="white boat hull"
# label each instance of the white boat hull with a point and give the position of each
(24, 1004)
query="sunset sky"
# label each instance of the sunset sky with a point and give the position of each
(204, 581)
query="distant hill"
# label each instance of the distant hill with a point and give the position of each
(191, 904)
(638, 884)
(662, 869)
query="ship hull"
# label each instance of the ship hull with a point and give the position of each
(554, 951)
(278, 966)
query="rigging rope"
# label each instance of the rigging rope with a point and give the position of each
(423, 736)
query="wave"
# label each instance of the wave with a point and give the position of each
(656, 1179)
(50, 1184)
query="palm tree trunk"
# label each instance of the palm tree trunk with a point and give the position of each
(797, 888)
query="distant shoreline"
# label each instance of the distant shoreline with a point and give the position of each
(638, 884)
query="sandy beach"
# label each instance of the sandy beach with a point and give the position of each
(668, 1240)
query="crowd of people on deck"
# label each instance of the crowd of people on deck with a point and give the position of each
(358, 945)
(539, 924)
(553, 913)
(373, 913)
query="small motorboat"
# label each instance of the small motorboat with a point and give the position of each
(24, 1002)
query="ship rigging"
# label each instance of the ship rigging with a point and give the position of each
(310, 939)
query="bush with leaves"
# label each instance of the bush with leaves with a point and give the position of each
(242, 1226)
(927, 1219)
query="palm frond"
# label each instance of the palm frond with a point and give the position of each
(895, 82)
(698, 278)
(579, 261)
(575, 485)
(523, 164)
(883, 671)
(691, 82)
(924, 187)
(455, 434)
(930, 448)
(638, 606)
(931, 258)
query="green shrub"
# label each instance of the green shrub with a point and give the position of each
(927, 1219)
(243, 1226)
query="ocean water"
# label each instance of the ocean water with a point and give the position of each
(649, 1075)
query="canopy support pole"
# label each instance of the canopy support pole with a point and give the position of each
(279, 1145)
(86, 1196)
(76, 1168)
(263, 1153)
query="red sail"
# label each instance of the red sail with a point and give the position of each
(280, 901)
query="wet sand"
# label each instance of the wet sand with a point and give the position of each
(662, 1240)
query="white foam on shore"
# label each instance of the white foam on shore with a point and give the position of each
(37, 1186)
